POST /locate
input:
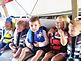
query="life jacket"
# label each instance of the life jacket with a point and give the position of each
(36, 37)
(55, 43)
(7, 35)
(74, 49)
(21, 38)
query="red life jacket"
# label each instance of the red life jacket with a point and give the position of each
(55, 43)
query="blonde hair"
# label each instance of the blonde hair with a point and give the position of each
(76, 23)
(65, 19)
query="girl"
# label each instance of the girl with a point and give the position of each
(58, 40)
(8, 34)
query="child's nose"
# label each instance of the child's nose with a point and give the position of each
(34, 27)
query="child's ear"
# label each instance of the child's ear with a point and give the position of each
(29, 25)
(40, 24)
(80, 30)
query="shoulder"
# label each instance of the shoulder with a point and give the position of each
(29, 32)
(44, 28)
(26, 30)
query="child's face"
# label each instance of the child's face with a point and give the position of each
(20, 28)
(74, 30)
(59, 24)
(34, 26)
(8, 25)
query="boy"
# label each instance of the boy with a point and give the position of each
(74, 46)
(19, 38)
(36, 40)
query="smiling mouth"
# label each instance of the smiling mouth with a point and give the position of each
(34, 30)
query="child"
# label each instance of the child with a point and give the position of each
(58, 40)
(19, 38)
(8, 34)
(36, 41)
(74, 47)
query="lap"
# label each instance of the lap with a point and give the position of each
(59, 56)
(2, 44)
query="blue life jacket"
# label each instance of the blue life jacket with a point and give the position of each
(36, 37)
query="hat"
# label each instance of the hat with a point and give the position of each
(9, 19)
(12, 16)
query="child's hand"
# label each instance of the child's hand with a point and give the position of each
(31, 46)
(11, 44)
(36, 44)
(14, 51)
(61, 32)
(12, 39)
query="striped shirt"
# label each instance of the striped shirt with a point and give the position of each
(77, 48)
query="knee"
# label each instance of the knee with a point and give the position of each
(44, 59)
(47, 54)
(57, 58)
(25, 50)
(54, 59)
(40, 52)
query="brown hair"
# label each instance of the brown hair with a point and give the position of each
(34, 18)
(23, 23)
(75, 22)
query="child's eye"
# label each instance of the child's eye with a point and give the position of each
(31, 25)
(35, 25)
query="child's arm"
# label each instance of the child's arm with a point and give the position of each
(29, 45)
(63, 37)
(15, 54)
(12, 47)
(11, 32)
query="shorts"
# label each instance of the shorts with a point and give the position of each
(45, 49)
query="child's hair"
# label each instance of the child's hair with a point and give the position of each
(76, 23)
(34, 18)
(23, 23)
(66, 21)
(9, 19)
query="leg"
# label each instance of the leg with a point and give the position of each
(47, 56)
(37, 55)
(2, 45)
(17, 53)
(5, 47)
(23, 54)
(58, 57)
